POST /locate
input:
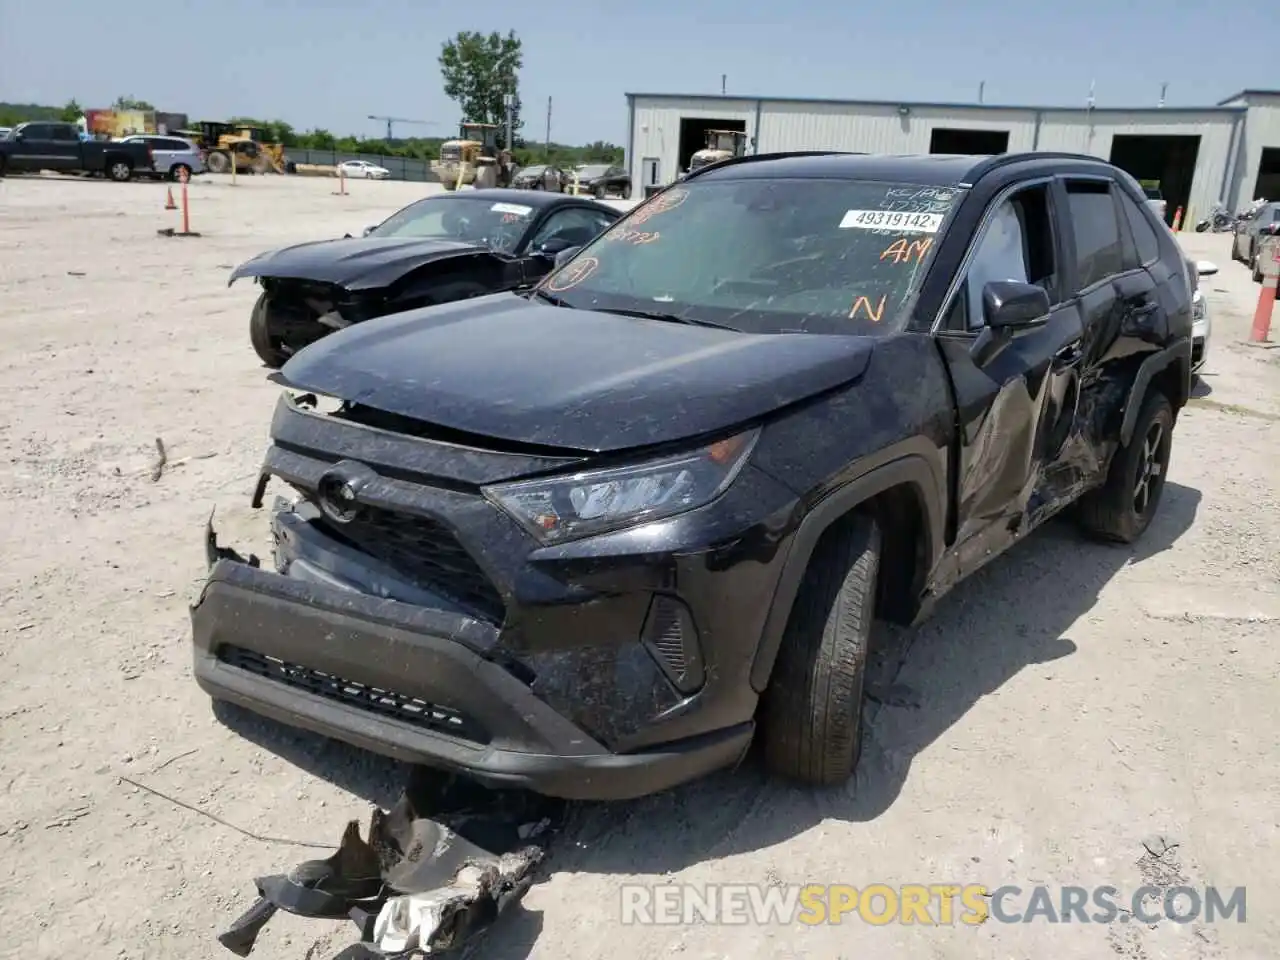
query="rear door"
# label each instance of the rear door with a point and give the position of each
(1011, 406)
(64, 147)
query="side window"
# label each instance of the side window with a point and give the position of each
(576, 224)
(1098, 250)
(1016, 244)
(1146, 246)
(36, 131)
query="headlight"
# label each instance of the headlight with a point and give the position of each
(556, 509)
(1197, 305)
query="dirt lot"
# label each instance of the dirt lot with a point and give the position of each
(1069, 703)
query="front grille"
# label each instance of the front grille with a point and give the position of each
(424, 551)
(384, 703)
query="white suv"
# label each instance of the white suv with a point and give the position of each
(172, 154)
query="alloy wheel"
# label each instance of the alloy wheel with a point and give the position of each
(1150, 469)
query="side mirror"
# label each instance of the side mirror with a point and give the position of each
(554, 246)
(1206, 268)
(565, 255)
(20, 135)
(1009, 305)
(366, 231)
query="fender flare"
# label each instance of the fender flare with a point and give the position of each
(1180, 349)
(911, 469)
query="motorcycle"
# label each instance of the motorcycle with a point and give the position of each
(1220, 221)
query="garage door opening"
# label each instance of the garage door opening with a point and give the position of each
(693, 135)
(1267, 185)
(981, 142)
(1165, 162)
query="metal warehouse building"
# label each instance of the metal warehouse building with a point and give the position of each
(1197, 154)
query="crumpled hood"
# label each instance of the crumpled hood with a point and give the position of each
(504, 367)
(353, 262)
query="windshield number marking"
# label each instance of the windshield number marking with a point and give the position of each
(898, 220)
(631, 236)
(572, 274)
(903, 250)
(663, 202)
(873, 312)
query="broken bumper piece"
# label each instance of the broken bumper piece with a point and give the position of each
(418, 885)
(416, 683)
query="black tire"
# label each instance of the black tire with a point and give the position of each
(121, 171)
(812, 709)
(1120, 511)
(1202, 226)
(175, 172)
(626, 192)
(599, 192)
(1255, 267)
(265, 345)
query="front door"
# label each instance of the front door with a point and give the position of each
(1015, 406)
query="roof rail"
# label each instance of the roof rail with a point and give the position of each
(985, 167)
(756, 157)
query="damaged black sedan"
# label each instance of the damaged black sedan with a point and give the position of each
(594, 539)
(444, 248)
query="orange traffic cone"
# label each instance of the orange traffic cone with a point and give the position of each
(168, 203)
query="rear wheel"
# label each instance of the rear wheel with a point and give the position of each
(626, 192)
(812, 709)
(1255, 266)
(1122, 509)
(267, 343)
(121, 171)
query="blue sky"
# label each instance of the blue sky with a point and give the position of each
(323, 63)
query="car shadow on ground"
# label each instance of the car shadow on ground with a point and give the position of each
(1200, 387)
(1009, 616)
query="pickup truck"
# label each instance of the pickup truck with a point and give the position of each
(46, 145)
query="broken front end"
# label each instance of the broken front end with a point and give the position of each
(409, 614)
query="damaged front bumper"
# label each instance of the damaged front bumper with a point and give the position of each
(418, 681)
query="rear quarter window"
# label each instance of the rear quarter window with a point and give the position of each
(1098, 247)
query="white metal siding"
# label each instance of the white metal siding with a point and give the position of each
(1081, 132)
(1261, 129)
(867, 128)
(656, 130)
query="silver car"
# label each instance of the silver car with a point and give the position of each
(172, 154)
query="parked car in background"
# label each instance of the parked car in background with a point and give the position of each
(363, 169)
(5, 131)
(1157, 201)
(602, 180)
(172, 155)
(595, 539)
(1246, 242)
(447, 247)
(539, 177)
(56, 146)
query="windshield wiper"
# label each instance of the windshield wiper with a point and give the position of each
(549, 298)
(668, 318)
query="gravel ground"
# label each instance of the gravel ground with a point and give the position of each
(1068, 704)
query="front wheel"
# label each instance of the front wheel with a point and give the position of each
(119, 170)
(812, 709)
(599, 192)
(626, 192)
(266, 343)
(1122, 508)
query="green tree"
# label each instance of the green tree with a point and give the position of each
(71, 112)
(479, 71)
(129, 103)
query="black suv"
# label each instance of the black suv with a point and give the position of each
(589, 539)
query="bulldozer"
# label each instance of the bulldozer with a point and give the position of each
(720, 145)
(475, 142)
(248, 145)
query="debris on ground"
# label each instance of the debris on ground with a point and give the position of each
(435, 871)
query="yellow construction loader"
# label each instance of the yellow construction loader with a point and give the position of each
(221, 142)
(460, 158)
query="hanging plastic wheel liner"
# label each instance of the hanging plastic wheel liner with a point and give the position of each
(419, 884)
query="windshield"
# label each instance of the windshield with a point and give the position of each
(532, 171)
(766, 256)
(499, 226)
